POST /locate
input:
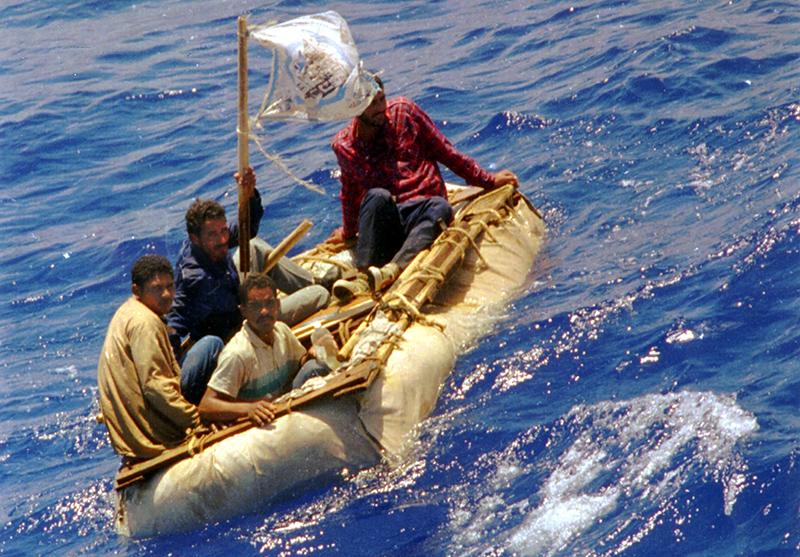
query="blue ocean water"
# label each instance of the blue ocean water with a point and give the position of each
(639, 397)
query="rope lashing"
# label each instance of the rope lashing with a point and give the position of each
(453, 242)
(398, 302)
(197, 444)
(344, 331)
(346, 328)
(498, 221)
(428, 272)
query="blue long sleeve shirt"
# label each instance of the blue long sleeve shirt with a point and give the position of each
(207, 292)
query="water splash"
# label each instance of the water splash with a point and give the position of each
(618, 462)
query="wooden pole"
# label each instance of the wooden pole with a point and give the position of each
(285, 245)
(244, 152)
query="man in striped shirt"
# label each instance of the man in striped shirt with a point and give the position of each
(261, 362)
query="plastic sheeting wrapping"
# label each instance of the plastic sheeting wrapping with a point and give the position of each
(316, 71)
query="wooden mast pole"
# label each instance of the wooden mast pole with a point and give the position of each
(244, 152)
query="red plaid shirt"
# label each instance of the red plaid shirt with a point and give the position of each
(404, 164)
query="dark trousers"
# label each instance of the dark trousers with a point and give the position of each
(197, 365)
(397, 233)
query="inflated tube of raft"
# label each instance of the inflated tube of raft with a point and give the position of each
(245, 472)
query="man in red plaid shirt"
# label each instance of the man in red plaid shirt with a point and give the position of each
(393, 194)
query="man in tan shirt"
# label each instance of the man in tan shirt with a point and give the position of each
(138, 375)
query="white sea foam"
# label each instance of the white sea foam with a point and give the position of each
(646, 449)
(624, 458)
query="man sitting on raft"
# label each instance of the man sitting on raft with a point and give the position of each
(393, 194)
(261, 362)
(206, 305)
(138, 376)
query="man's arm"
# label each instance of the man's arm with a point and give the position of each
(444, 152)
(352, 178)
(336, 237)
(219, 407)
(189, 307)
(256, 208)
(221, 402)
(505, 177)
(150, 353)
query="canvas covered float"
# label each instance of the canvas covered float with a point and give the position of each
(397, 349)
(404, 345)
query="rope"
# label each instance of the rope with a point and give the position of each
(470, 239)
(428, 272)
(197, 444)
(276, 160)
(456, 244)
(398, 302)
(376, 359)
(394, 342)
(344, 331)
(346, 327)
(483, 224)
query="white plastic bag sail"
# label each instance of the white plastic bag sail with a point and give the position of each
(316, 72)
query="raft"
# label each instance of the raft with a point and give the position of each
(400, 346)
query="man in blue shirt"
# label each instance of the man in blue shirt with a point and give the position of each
(206, 307)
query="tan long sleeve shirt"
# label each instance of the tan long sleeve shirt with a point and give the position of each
(139, 382)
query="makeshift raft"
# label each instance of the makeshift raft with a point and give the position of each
(400, 346)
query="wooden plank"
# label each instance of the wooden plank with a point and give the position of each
(330, 319)
(285, 245)
(343, 381)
